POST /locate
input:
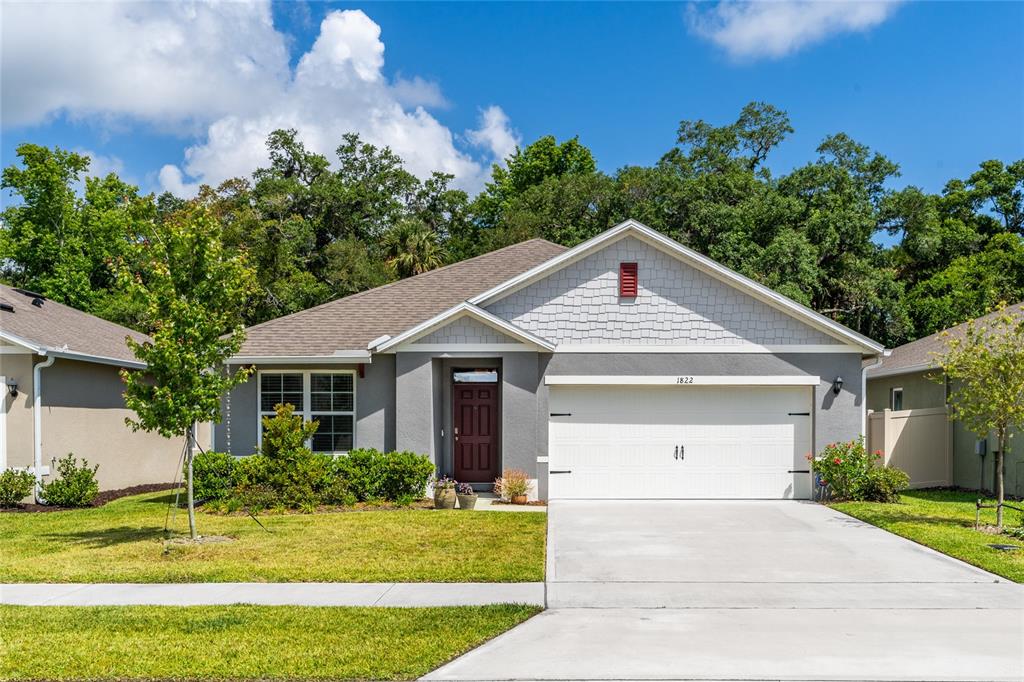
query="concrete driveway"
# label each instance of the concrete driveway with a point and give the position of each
(751, 590)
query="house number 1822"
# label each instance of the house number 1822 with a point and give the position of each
(684, 380)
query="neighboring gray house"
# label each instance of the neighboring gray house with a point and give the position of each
(61, 392)
(909, 423)
(628, 366)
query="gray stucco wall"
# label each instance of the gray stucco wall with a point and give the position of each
(375, 408)
(836, 417)
(676, 304)
(918, 391)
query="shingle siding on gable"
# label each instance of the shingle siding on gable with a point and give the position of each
(580, 304)
(465, 330)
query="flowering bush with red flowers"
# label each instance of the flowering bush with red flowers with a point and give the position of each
(845, 469)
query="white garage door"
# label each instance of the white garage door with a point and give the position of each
(664, 442)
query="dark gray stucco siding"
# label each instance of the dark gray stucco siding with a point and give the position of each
(414, 403)
(837, 417)
(375, 408)
(375, 405)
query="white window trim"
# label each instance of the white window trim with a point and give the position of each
(892, 396)
(307, 403)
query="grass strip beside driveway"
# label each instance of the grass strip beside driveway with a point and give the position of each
(123, 541)
(944, 521)
(241, 642)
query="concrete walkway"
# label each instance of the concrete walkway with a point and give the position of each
(272, 594)
(751, 591)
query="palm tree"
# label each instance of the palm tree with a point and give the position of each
(411, 249)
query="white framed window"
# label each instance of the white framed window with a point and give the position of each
(895, 399)
(327, 396)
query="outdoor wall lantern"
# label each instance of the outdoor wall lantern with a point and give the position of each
(12, 386)
(837, 385)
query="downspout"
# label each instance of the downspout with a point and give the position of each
(864, 393)
(37, 423)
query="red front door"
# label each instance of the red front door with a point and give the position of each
(476, 432)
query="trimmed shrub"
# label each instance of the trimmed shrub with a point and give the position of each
(393, 476)
(404, 476)
(15, 486)
(360, 469)
(77, 485)
(884, 484)
(212, 475)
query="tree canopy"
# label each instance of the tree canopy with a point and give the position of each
(315, 228)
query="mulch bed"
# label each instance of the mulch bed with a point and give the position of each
(103, 498)
(531, 503)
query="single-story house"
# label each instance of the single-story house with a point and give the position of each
(908, 420)
(62, 392)
(627, 367)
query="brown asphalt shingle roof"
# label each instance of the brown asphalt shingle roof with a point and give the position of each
(350, 323)
(920, 353)
(54, 326)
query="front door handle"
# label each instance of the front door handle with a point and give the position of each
(682, 452)
(676, 455)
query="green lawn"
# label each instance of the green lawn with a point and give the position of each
(240, 642)
(944, 520)
(123, 541)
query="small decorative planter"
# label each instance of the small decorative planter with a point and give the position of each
(444, 493)
(467, 496)
(444, 498)
(519, 499)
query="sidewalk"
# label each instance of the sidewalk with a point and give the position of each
(271, 594)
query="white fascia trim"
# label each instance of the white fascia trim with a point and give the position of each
(377, 341)
(18, 341)
(683, 381)
(702, 263)
(70, 354)
(462, 310)
(896, 371)
(98, 359)
(347, 357)
(705, 348)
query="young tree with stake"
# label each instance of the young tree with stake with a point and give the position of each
(985, 368)
(194, 296)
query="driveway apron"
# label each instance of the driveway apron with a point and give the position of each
(751, 590)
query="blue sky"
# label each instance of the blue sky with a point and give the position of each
(937, 87)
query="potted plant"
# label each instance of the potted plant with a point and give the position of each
(467, 496)
(444, 493)
(514, 486)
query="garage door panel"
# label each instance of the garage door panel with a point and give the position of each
(678, 442)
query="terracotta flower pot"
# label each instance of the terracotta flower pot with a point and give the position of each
(444, 499)
(519, 499)
(467, 501)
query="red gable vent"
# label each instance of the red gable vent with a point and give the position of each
(627, 280)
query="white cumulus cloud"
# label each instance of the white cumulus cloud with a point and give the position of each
(495, 133)
(221, 71)
(775, 28)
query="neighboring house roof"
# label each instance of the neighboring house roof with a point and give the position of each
(918, 356)
(345, 327)
(693, 259)
(52, 328)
